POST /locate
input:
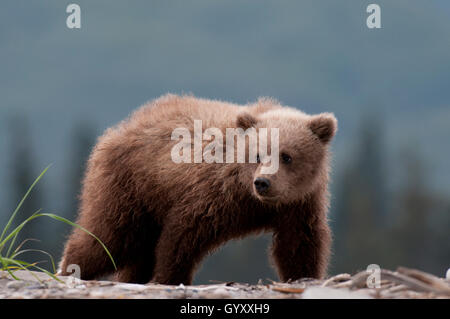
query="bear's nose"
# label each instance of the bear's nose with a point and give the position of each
(261, 185)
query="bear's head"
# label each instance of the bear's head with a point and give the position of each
(302, 153)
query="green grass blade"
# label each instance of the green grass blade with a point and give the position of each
(17, 230)
(5, 267)
(38, 251)
(12, 274)
(24, 265)
(14, 240)
(10, 259)
(64, 220)
(58, 218)
(23, 243)
(61, 219)
(21, 203)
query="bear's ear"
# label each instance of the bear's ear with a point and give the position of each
(324, 126)
(245, 121)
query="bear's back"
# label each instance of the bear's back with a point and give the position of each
(171, 111)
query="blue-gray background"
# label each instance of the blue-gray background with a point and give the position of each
(389, 88)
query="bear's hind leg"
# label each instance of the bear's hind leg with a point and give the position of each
(139, 263)
(83, 251)
(138, 272)
(179, 250)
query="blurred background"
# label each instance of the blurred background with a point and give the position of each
(61, 88)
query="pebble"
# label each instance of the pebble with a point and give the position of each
(105, 283)
(220, 293)
(16, 284)
(97, 293)
(36, 286)
(332, 293)
(132, 287)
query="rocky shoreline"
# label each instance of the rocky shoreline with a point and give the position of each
(403, 283)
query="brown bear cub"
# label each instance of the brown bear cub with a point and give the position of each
(160, 218)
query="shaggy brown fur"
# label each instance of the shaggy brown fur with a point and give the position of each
(159, 219)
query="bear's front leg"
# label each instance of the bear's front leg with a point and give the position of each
(301, 247)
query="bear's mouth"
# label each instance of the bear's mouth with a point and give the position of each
(267, 199)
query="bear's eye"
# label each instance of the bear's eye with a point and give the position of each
(286, 158)
(258, 160)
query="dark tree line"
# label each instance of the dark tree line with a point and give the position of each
(406, 226)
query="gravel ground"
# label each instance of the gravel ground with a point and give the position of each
(403, 283)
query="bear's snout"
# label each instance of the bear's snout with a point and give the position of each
(262, 185)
